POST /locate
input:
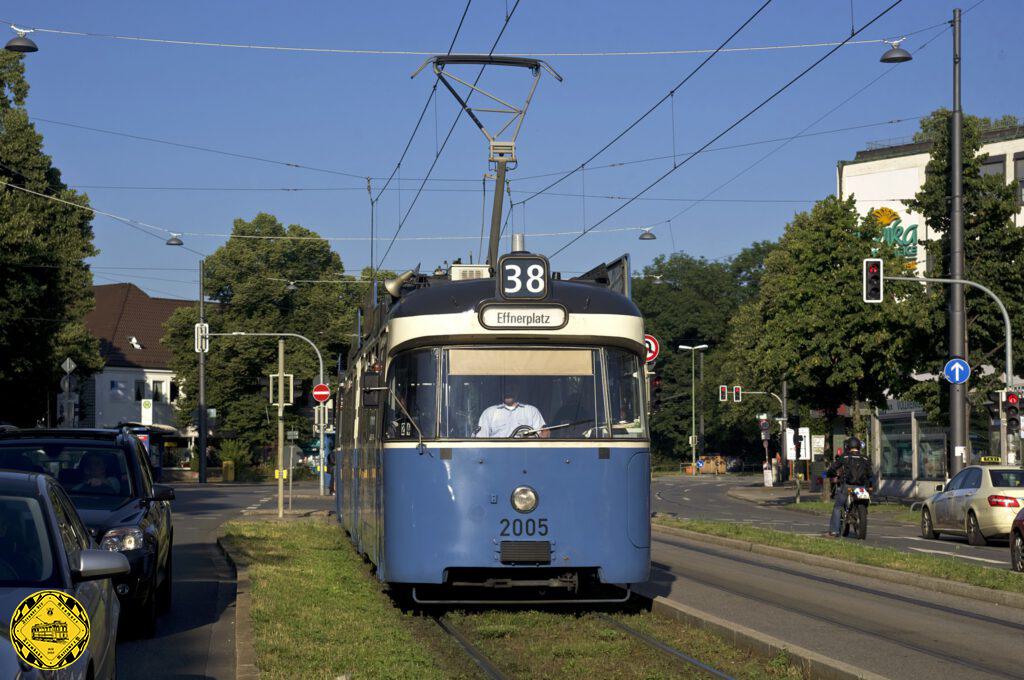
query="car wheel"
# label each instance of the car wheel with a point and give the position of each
(1017, 551)
(974, 535)
(927, 528)
(164, 593)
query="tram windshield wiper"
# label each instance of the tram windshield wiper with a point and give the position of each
(412, 421)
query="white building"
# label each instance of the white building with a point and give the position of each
(136, 383)
(886, 173)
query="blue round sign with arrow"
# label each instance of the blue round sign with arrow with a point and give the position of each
(957, 371)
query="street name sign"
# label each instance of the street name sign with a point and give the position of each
(957, 371)
(653, 347)
(321, 393)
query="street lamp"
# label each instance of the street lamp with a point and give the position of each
(175, 240)
(647, 235)
(693, 399)
(895, 54)
(958, 430)
(21, 43)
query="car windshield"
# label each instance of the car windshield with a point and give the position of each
(84, 469)
(26, 555)
(500, 393)
(1008, 479)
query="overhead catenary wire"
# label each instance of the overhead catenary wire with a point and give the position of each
(656, 105)
(413, 53)
(458, 117)
(728, 129)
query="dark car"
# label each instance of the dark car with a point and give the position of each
(107, 475)
(44, 546)
(1017, 543)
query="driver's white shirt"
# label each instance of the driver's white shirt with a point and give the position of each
(501, 420)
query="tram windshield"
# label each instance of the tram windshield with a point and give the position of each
(500, 393)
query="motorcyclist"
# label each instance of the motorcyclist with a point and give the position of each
(850, 469)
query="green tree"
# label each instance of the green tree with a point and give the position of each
(45, 285)
(247, 284)
(993, 256)
(691, 300)
(809, 324)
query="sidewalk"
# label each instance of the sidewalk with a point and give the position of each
(772, 495)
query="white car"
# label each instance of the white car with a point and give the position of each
(980, 503)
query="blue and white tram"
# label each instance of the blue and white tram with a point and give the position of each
(490, 442)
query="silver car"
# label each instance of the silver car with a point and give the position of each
(45, 546)
(980, 503)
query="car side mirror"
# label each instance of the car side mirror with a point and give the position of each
(98, 564)
(938, 488)
(371, 389)
(162, 492)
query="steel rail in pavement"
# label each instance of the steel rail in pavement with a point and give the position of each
(489, 670)
(662, 647)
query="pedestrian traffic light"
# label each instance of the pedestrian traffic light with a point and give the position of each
(874, 269)
(655, 392)
(723, 393)
(737, 393)
(1011, 410)
(794, 422)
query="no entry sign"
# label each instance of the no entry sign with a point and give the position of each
(653, 347)
(321, 393)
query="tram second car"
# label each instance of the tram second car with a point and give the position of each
(479, 458)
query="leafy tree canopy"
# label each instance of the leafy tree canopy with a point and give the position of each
(45, 285)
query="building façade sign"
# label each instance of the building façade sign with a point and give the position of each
(895, 233)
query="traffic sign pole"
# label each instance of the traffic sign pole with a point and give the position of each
(280, 427)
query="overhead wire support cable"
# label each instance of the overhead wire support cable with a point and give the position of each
(728, 129)
(458, 116)
(657, 104)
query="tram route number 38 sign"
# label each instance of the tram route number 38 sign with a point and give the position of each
(523, 277)
(653, 348)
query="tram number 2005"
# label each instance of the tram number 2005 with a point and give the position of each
(524, 527)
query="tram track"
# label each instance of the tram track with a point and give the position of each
(882, 633)
(488, 669)
(662, 647)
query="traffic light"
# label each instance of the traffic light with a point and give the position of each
(765, 426)
(794, 422)
(723, 393)
(874, 269)
(995, 405)
(655, 392)
(1012, 412)
(737, 393)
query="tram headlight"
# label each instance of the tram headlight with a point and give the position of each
(524, 499)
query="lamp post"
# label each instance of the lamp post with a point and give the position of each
(693, 399)
(958, 430)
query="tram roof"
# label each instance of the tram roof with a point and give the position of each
(461, 296)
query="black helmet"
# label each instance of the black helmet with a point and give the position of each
(852, 444)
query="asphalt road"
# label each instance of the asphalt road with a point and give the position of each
(896, 631)
(705, 498)
(195, 639)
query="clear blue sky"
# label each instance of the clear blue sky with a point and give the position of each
(355, 113)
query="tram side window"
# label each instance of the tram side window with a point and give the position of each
(624, 395)
(498, 393)
(412, 377)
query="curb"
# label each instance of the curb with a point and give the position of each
(906, 578)
(813, 664)
(245, 653)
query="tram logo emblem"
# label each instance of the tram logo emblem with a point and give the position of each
(50, 630)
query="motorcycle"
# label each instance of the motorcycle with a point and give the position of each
(855, 511)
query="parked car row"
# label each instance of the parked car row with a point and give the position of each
(80, 514)
(982, 502)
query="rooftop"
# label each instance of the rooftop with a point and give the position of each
(130, 326)
(906, 146)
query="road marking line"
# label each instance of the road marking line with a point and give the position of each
(904, 538)
(686, 498)
(966, 557)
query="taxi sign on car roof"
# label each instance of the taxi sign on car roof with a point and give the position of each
(990, 459)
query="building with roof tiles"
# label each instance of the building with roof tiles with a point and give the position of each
(136, 383)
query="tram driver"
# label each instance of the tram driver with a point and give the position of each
(501, 420)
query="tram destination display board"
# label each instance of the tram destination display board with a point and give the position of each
(523, 276)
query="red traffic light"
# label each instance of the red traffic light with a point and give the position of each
(1012, 398)
(656, 382)
(872, 268)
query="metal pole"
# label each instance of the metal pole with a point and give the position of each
(280, 427)
(499, 196)
(957, 321)
(291, 468)
(202, 378)
(693, 407)
(794, 468)
(700, 427)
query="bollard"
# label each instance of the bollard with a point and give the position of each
(228, 471)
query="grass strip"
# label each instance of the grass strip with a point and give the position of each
(552, 644)
(854, 551)
(317, 614)
(887, 511)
